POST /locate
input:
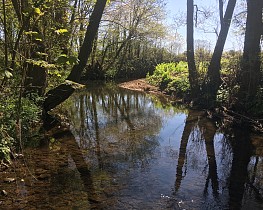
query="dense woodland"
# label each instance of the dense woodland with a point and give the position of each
(49, 47)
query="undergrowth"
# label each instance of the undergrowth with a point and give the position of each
(17, 120)
(171, 78)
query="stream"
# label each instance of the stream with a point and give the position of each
(132, 150)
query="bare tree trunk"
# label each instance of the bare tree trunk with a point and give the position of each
(221, 11)
(250, 69)
(86, 48)
(213, 82)
(193, 75)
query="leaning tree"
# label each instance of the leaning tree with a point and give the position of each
(62, 92)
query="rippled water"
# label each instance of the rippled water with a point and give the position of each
(129, 150)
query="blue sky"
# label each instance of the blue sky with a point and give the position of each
(176, 6)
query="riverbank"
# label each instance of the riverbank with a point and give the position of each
(228, 117)
(140, 85)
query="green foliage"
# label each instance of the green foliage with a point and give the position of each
(40, 63)
(34, 35)
(8, 74)
(61, 31)
(64, 59)
(28, 114)
(230, 63)
(230, 66)
(5, 144)
(202, 67)
(110, 74)
(171, 78)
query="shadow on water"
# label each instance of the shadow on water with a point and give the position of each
(128, 150)
(242, 151)
(198, 128)
(228, 194)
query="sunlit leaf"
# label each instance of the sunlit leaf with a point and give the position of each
(42, 54)
(61, 31)
(37, 11)
(52, 140)
(40, 63)
(31, 33)
(8, 74)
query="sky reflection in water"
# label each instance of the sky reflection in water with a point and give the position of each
(162, 157)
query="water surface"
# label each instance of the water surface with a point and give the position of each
(130, 150)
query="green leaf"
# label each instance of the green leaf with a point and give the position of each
(52, 140)
(31, 33)
(62, 59)
(8, 74)
(73, 60)
(37, 11)
(42, 54)
(37, 37)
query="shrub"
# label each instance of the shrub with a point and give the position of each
(5, 144)
(171, 78)
(11, 110)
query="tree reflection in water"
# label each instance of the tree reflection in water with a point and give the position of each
(110, 118)
(126, 150)
(225, 167)
(122, 136)
(123, 131)
(200, 133)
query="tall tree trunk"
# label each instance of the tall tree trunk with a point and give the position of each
(193, 75)
(59, 94)
(250, 69)
(213, 82)
(86, 48)
(221, 11)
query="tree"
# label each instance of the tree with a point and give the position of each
(250, 69)
(212, 83)
(193, 75)
(86, 48)
(28, 15)
(130, 32)
(63, 91)
(221, 11)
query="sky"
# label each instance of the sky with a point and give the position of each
(176, 6)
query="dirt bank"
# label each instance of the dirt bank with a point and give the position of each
(140, 85)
